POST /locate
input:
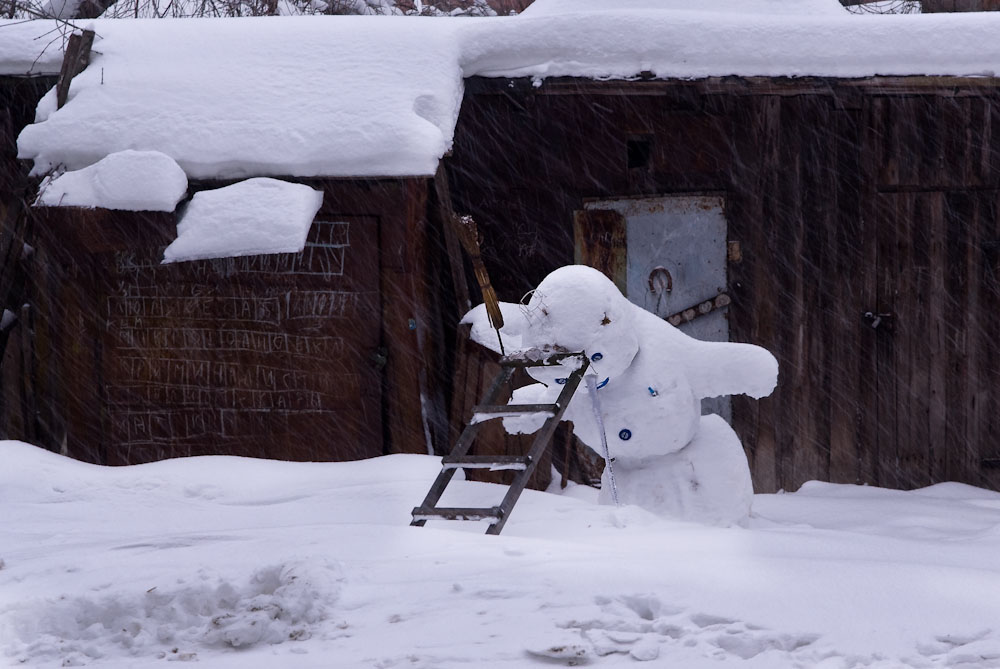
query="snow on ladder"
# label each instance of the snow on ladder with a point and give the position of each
(523, 464)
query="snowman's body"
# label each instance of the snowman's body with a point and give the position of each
(651, 378)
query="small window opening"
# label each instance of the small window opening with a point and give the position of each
(640, 151)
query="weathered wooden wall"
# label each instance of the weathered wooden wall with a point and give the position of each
(18, 96)
(319, 355)
(846, 197)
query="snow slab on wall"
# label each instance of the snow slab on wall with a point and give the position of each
(251, 217)
(241, 563)
(128, 180)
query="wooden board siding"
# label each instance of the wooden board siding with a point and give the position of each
(308, 356)
(846, 197)
(18, 96)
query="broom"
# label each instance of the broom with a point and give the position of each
(468, 235)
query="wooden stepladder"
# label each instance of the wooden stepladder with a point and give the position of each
(524, 464)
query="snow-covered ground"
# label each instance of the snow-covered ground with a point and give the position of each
(246, 563)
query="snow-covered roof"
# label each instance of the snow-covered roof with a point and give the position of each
(380, 96)
(228, 98)
(31, 47)
(786, 38)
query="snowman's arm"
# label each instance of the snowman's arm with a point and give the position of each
(482, 332)
(536, 393)
(724, 368)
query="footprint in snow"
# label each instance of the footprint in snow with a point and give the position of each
(641, 626)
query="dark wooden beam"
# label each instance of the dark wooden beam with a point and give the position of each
(74, 62)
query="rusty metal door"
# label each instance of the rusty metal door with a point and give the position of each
(668, 255)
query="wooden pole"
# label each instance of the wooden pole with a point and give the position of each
(74, 62)
(452, 245)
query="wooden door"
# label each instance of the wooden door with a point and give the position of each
(270, 356)
(938, 338)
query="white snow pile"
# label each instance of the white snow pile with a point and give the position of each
(31, 47)
(272, 605)
(242, 563)
(272, 96)
(255, 216)
(129, 180)
(781, 38)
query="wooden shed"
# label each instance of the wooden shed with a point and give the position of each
(847, 222)
(305, 356)
(329, 353)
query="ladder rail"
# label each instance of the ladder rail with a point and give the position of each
(538, 447)
(462, 446)
(525, 465)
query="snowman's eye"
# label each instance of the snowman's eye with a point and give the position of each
(597, 356)
(562, 382)
(625, 435)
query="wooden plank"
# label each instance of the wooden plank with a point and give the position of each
(401, 270)
(735, 86)
(848, 277)
(600, 240)
(972, 392)
(870, 342)
(29, 400)
(75, 60)
(754, 315)
(984, 421)
(886, 379)
(941, 340)
(446, 215)
(906, 276)
(820, 282)
(796, 452)
(959, 320)
(917, 333)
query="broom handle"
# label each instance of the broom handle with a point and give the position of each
(469, 236)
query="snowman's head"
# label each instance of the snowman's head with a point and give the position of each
(579, 309)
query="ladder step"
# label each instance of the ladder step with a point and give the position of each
(491, 462)
(455, 513)
(482, 412)
(539, 358)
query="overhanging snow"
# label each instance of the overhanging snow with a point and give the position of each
(251, 217)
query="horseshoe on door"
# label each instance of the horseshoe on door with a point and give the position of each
(661, 283)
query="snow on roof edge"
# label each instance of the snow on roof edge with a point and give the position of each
(30, 48)
(692, 45)
(396, 111)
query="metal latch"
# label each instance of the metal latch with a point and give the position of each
(875, 320)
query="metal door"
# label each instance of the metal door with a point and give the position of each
(668, 255)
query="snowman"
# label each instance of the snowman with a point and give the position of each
(649, 379)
